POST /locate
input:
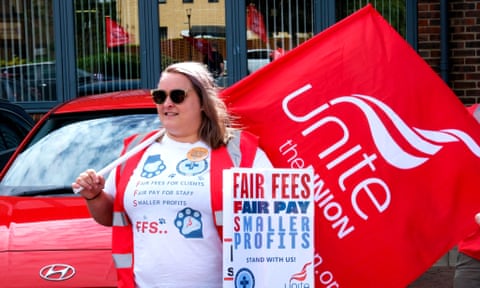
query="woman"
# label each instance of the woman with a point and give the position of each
(167, 200)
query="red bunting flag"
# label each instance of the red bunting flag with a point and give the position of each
(115, 34)
(200, 44)
(255, 22)
(396, 155)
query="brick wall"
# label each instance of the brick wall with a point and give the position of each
(463, 44)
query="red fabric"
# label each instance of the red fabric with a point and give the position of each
(221, 160)
(200, 44)
(255, 22)
(115, 34)
(472, 109)
(475, 111)
(248, 147)
(122, 237)
(471, 244)
(396, 186)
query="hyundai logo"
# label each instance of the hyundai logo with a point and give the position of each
(57, 272)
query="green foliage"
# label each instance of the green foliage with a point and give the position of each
(15, 61)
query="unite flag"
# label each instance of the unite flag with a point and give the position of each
(396, 155)
(255, 22)
(115, 34)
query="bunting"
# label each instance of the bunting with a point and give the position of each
(115, 34)
(200, 44)
(255, 22)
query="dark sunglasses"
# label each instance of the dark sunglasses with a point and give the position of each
(176, 95)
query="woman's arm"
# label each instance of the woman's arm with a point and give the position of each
(100, 203)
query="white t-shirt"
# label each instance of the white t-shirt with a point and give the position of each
(176, 243)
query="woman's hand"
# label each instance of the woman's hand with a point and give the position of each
(91, 184)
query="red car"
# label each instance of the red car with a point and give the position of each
(47, 237)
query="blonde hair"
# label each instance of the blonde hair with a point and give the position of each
(214, 129)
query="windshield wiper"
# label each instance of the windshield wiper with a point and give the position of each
(41, 191)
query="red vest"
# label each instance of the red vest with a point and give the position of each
(239, 152)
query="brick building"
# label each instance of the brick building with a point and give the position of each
(458, 58)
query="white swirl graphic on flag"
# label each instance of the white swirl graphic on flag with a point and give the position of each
(425, 141)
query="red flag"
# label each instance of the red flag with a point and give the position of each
(200, 44)
(115, 34)
(255, 22)
(471, 244)
(395, 153)
(475, 111)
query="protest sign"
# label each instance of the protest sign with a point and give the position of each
(268, 231)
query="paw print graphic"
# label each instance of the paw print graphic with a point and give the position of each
(153, 166)
(189, 223)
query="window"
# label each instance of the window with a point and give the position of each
(24, 44)
(187, 32)
(394, 11)
(272, 24)
(163, 33)
(107, 44)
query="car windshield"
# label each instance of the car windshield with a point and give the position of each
(61, 155)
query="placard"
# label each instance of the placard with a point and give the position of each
(268, 222)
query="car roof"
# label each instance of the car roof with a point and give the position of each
(120, 100)
(29, 64)
(108, 86)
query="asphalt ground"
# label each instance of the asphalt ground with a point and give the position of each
(435, 277)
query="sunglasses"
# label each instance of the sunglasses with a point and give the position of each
(176, 95)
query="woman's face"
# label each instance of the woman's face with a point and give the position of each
(181, 121)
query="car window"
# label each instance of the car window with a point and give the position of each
(259, 54)
(255, 55)
(38, 71)
(46, 71)
(57, 158)
(4, 90)
(252, 55)
(26, 72)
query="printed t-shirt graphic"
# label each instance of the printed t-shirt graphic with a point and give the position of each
(168, 202)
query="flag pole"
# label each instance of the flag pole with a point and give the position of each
(126, 156)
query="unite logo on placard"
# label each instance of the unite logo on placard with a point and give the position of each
(297, 280)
